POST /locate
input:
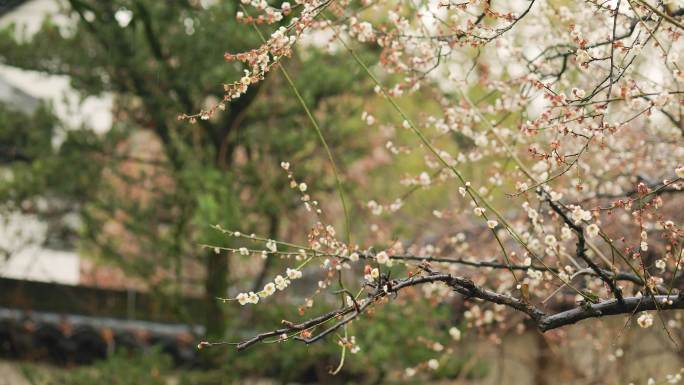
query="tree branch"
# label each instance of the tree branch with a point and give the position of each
(470, 290)
(611, 307)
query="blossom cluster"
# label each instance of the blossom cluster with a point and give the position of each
(279, 283)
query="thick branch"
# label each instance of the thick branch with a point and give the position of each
(612, 307)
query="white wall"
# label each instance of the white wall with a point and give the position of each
(24, 258)
(21, 236)
(38, 264)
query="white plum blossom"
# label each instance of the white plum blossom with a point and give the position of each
(583, 56)
(382, 258)
(268, 290)
(481, 140)
(245, 298)
(424, 179)
(364, 31)
(372, 274)
(281, 283)
(579, 215)
(580, 93)
(555, 196)
(592, 230)
(253, 297)
(645, 320)
(566, 233)
(242, 298)
(550, 240)
(455, 333)
(293, 273)
(680, 171)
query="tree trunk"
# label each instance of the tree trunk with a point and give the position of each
(216, 285)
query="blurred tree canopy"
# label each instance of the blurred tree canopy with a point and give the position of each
(147, 191)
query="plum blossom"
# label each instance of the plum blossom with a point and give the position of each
(680, 171)
(592, 230)
(455, 333)
(382, 258)
(579, 215)
(424, 179)
(281, 283)
(293, 273)
(268, 290)
(245, 298)
(645, 320)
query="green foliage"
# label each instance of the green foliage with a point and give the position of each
(35, 163)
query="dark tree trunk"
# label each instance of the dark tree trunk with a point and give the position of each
(216, 285)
